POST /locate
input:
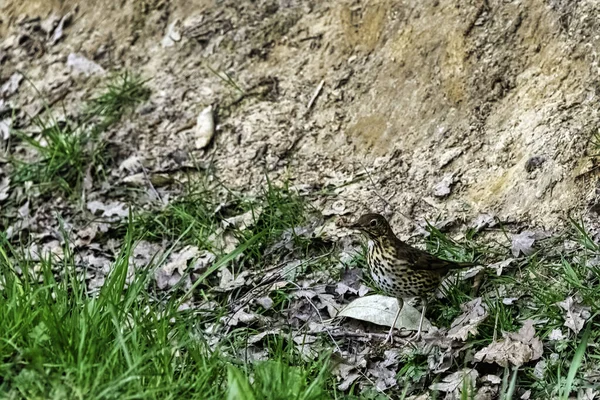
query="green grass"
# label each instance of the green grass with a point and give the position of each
(198, 215)
(60, 342)
(129, 341)
(192, 216)
(123, 92)
(576, 363)
(277, 380)
(67, 151)
(550, 278)
(64, 154)
(595, 145)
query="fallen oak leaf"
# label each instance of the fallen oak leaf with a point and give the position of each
(474, 312)
(112, 209)
(499, 266)
(174, 269)
(576, 314)
(229, 282)
(454, 382)
(517, 348)
(523, 243)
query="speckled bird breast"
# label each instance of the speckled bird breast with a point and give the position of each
(394, 276)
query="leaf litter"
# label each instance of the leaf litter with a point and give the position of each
(315, 299)
(575, 313)
(516, 348)
(466, 324)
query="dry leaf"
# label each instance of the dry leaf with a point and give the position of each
(456, 381)
(5, 125)
(244, 317)
(51, 249)
(451, 280)
(4, 188)
(444, 187)
(509, 301)
(138, 179)
(473, 314)
(350, 281)
(260, 336)
(86, 235)
(556, 335)
(363, 290)
(539, 370)
(499, 266)
(111, 209)
(484, 221)
(11, 85)
(131, 164)
(449, 156)
(242, 221)
(205, 128)
(265, 302)
(487, 393)
(253, 354)
(172, 35)
(493, 379)
(58, 31)
(384, 377)
(381, 310)
(223, 240)
(342, 289)
(523, 243)
(345, 367)
(338, 207)
(143, 253)
(440, 361)
(587, 394)
(576, 314)
(517, 348)
(177, 262)
(348, 381)
(230, 282)
(81, 65)
(328, 301)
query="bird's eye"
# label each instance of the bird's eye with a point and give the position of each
(373, 222)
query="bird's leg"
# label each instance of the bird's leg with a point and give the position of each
(390, 335)
(417, 336)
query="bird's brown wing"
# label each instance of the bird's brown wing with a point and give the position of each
(421, 260)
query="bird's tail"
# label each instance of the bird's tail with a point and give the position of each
(461, 265)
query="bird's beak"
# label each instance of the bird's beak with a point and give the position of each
(354, 226)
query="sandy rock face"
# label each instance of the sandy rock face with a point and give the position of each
(413, 92)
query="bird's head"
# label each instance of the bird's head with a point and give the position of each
(374, 225)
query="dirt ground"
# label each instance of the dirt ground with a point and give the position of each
(452, 110)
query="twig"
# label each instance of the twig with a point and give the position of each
(151, 185)
(364, 335)
(316, 94)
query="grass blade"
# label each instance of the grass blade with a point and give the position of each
(576, 363)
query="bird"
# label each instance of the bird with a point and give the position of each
(400, 270)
